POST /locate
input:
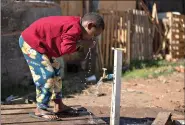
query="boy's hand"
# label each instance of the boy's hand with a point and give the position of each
(80, 48)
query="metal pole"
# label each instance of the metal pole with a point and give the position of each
(116, 88)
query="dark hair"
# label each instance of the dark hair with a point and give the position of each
(96, 18)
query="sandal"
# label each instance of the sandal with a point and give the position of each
(40, 116)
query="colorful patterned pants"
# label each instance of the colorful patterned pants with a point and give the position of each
(46, 75)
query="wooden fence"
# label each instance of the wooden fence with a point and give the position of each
(177, 35)
(130, 30)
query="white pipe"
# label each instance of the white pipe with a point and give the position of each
(116, 88)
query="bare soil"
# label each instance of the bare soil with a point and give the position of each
(139, 97)
(141, 101)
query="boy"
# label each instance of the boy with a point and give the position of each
(46, 39)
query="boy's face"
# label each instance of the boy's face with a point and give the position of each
(91, 31)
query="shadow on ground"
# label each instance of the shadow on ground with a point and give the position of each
(131, 121)
(74, 83)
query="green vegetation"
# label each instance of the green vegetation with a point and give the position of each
(154, 68)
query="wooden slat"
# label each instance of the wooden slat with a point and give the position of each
(150, 37)
(125, 36)
(19, 114)
(112, 39)
(121, 35)
(163, 118)
(128, 40)
(178, 43)
(141, 35)
(133, 36)
(137, 36)
(116, 30)
(146, 41)
(107, 41)
(99, 54)
(104, 40)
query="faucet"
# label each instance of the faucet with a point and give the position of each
(105, 76)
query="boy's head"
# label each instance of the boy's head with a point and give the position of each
(92, 24)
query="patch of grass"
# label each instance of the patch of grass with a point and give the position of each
(154, 68)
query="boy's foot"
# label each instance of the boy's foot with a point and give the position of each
(45, 114)
(60, 107)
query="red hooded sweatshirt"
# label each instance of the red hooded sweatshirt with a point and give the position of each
(54, 35)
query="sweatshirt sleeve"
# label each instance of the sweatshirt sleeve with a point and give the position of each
(69, 40)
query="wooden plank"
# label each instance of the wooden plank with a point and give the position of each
(20, 106)
(99, 51)
(142, 39)
(125, 31)
(107, 42)
(178, 42)
(133, 36)
(18, 114)
(116, 30)
(112, 38)
(121, 32)
(177, 52)
(178, 56)
(177, 47)
(104, 40)
(126, 35)
(141, 35)
(146, 40)
(170, 33)
(121, 44)
(137, 54)
(179, 16)
(163, 118)
(178, 36)
(26, 119)
(150, 36)
(73, 8)
(128, 41)
(138, 35)
(87, 6)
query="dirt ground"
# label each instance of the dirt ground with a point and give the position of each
(141, 101)
(140, 98)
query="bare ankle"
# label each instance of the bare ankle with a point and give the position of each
(58, 101)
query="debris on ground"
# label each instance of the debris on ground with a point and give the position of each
(180, 68)
(170, 59)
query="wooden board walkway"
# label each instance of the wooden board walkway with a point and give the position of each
(18, 114)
